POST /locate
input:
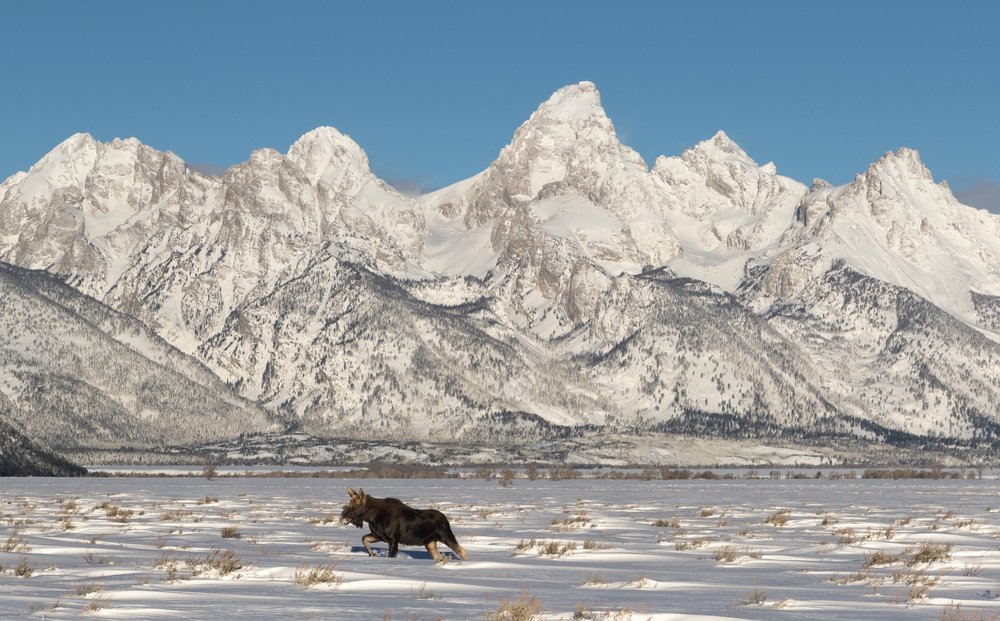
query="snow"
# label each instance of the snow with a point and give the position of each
(643, 549)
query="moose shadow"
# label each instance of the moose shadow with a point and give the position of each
(414, 554)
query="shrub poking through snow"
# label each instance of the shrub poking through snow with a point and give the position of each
(309, 576)
(24, 569)
(928, 552)
(223, 561)
(15, 543)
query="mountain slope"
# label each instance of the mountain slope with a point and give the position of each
(20, 457)
(342, 348)
(892, 357)
(77, 374)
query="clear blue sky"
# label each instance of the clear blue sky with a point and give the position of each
(433, 90)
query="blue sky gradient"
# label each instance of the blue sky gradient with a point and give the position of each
(433, 90)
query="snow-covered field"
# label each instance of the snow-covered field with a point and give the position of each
(251, 548)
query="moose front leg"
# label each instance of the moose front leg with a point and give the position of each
(367, 540)
(393, 548)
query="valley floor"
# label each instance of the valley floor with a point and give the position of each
(152, 548)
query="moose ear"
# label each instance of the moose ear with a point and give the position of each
(361, 492)
(351, 492)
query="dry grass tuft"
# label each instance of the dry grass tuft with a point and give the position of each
(954, 612)
(731, 554)
(778, 518)
(524, 608)
(591, 544)
(86, 589)
(596, 579)
(757, 597)
(97, 604)
(880, 558)
(554, 549)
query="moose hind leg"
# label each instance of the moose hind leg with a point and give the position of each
(393, 548)
(367, 540)
(432, 547)
(452, 543)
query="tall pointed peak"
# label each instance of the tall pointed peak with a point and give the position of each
(325, 151)
(721, 147)
(570, 104)
(76, 140)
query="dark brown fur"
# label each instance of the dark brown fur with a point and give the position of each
(397, 524)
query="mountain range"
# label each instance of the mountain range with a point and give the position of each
(567, 287)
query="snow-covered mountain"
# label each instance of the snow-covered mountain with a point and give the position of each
(893, 223)
(74, 373)
(566, 285)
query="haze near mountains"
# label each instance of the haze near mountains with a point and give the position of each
(567, 285)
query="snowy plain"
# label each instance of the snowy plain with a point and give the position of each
(273, 548)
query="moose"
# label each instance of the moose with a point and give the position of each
(395, 523)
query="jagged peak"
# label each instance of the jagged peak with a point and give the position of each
(85, 143)
(325, 153)
(905, 163)
(265, 155)
(708, 155)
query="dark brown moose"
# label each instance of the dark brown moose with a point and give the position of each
(395, 523)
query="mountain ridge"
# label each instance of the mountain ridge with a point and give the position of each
(567, 281)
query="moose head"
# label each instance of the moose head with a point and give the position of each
(354, 510)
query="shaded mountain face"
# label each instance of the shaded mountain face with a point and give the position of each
(567, 285)
(74, 373)
(21, 457)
